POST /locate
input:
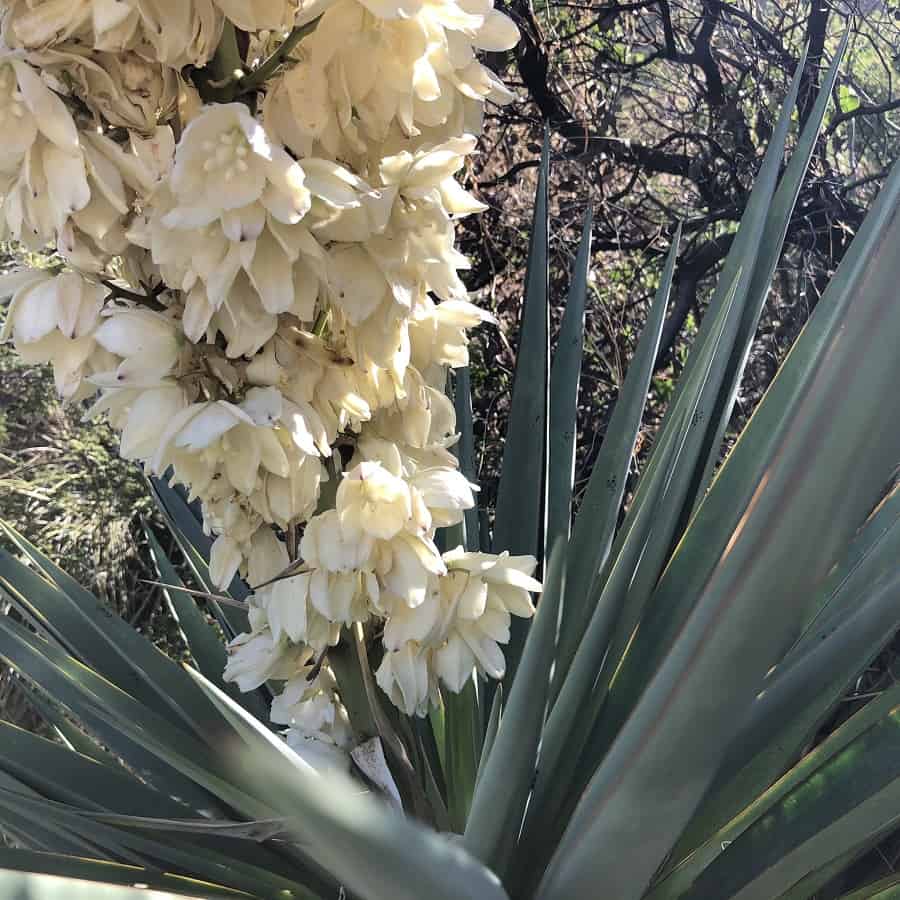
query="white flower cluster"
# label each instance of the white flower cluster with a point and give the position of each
(260, 288)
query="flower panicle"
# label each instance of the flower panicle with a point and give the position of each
(260, 291)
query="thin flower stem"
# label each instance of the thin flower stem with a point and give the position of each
(269, 66)
(321, 323)
(225, 69)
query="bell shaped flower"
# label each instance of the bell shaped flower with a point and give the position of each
(43, 302)
(29, 108)
(324, 545)
(372, 502)
(405, 564)
(224, 164)
(421, 623)
(290, 612)
(446, 492)
(148, 342)
(240, 445)
(404, 676)
(474, 639)
(293, 497)
(427, 176)
(509, 579)
(421, 418)
(54, 318)
(256, 657)
(437, 333)
(319, 729)
(225, 558)
(479, 594)
(146, 419)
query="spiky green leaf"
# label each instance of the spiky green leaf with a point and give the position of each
(519, 525)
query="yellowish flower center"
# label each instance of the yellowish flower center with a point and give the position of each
(228, 155)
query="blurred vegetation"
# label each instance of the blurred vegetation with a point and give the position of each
(62, 479)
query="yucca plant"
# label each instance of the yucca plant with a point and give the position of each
(656, 733)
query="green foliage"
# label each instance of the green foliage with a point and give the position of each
(62, 481)
(659, 737)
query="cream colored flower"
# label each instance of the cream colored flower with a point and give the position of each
(53, 318)
(294, 497)
(175, 32)
(225, 164)
(148, 343)
(509, 578)
(290, 611)
(480, 592)
(324, 545)
(146, 418)
(318, 726)
(404, 676)
(43, 178)
(239, 445)
(255, 658)
(405, 565)
(438, 333)
(373, 502)
(29, 108)
(427, 176)
(43, 302)
(125, 89)
(445, 492)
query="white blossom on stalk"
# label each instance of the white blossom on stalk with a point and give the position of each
(373, 71)
(29, 109)
(257, 657)
(148, 343)
(54, 318)
(373, 503)
(318, 726)
(408, 680)
(227, 169)
(176, 32)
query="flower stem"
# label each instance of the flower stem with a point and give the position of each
(269, 66)
(217, 84)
